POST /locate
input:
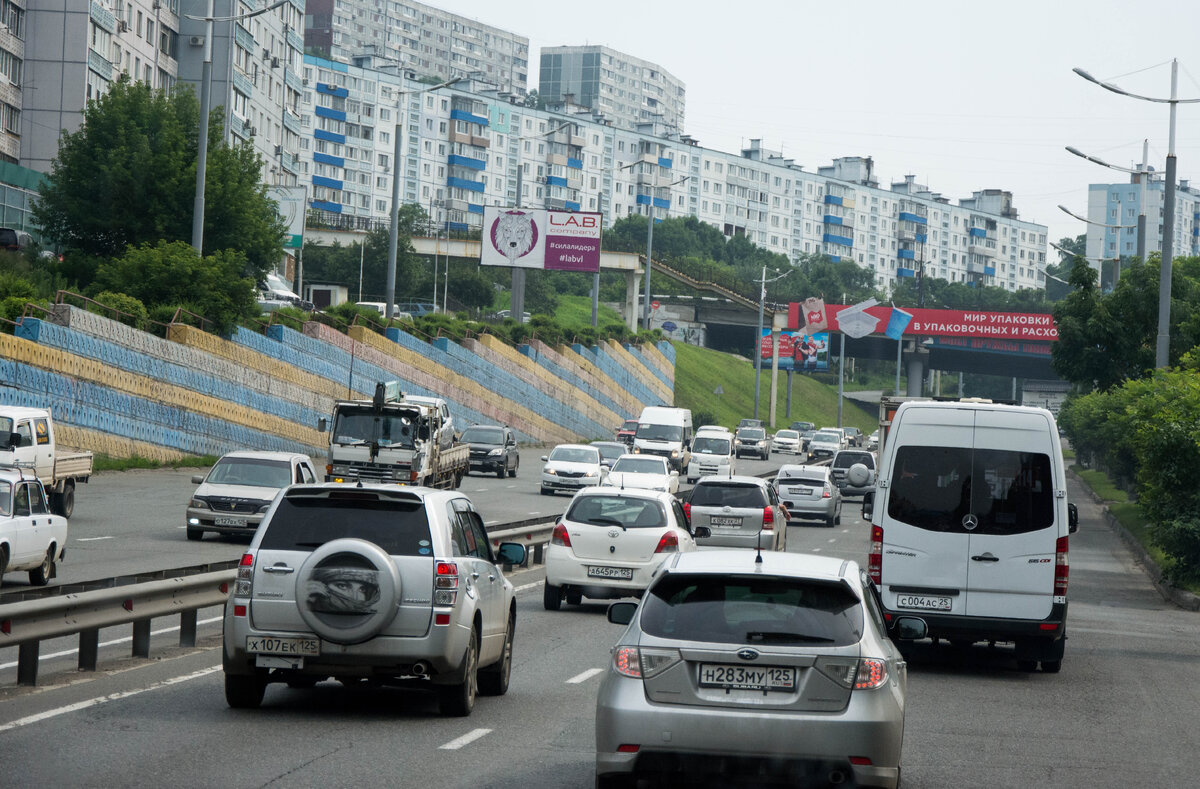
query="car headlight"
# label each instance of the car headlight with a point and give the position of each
(550, 471)
(637, 450)
(674, 453)
(591, 473)
(199, 504)
(497, 452)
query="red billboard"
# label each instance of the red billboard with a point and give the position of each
(951, 323)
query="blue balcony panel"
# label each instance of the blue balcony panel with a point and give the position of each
(832, 200)
(328, 136)
(905, 272)
(326, 112)
(574, 164)
(662, 202)
(921, 238)
(643, 199)
(830, 238)
(474, 209)
(324, 205)
(467, 161)
(332, 90)
(571, 206)
(836, 258)
(331, 183)
(664, 162)
(463, 115)
(978, 232)
(325, 158)
(463, 183)
(554, 180)
(457, 226)
(907, 254)
(830, 219)
(991, 272)
(905, 216)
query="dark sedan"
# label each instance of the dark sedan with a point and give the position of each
(493, 449)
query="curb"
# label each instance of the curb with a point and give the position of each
(1181, 598)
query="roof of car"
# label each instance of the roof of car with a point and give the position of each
(608, 444)
(799, 470)
(574, 446)
(735, 480)
(635, 493)
(778, 562)
(255, 454)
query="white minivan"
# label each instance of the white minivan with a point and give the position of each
(712, 454)
(665, 431)
(970, 525)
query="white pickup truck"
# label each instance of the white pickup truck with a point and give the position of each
(31, 538)
(27, 439)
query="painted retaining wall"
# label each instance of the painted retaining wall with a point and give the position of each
(123, 392)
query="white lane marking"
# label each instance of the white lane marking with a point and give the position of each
(584, 677)
(66, 652)
(91, 539)
(832, 539)
(523, 587)
(81, 705)
(466, 739)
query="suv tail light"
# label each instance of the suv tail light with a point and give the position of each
(875, 555)
(668, 543)
(643, 662)
(768, 519)
(560, 536)
(1062, 567)
(245, 576)
(687, 510)
(445, 583)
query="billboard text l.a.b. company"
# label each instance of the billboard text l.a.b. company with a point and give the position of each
(536, 238)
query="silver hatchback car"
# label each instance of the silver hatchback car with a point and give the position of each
(740, 512)
(780, 669)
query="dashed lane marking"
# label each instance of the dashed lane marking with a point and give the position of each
(466, 739)
(584, 677)
(92, 539)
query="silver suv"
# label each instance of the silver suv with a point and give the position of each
(740, 512)
(371, 582)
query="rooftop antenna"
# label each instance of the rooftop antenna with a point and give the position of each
(758, 547)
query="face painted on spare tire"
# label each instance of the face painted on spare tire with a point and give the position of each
(343, 590)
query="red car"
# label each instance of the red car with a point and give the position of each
(627, 431)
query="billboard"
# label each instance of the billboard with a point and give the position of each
(291, 210)
(798, 351)
(944, 323)
(540, 239)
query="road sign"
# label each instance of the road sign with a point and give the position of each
(718, 390)
(669, 326)
(654, 305)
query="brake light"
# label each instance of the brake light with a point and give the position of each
(768, 518)
(239, 610)
(1062, 567)
(560, 536)
(855, 673)
(687, 510)
(872, 674)
(445, 583)
(668, 543)
(244, 579)
(875, 555)
(827, 492)
(644, 662)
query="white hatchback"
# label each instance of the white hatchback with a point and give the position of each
(609, 543)
(643, 471)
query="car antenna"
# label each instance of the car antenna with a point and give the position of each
(758, 545)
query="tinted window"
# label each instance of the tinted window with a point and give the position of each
(575, 455)
(400, 528)
(1008, 492)
(5, 497)
(828, 438)
(483, 435)
(848, 459)
(660, 432)
(752, 610)
(635, 464)
(752, 433)
(632, 513)
(611, 452)
(728, 495)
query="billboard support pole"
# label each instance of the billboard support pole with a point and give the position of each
(841, 372)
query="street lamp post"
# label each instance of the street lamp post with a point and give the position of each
(1143, 175)
(1099, 261)
(596, 277)
(393, 241)
(762, 300)
(517, 293)
(650, 250)
(1163, 344)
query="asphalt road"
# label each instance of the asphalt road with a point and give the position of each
(1120, 714)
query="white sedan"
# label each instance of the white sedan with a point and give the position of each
(786, 441)
(643, 471)
(31, 538)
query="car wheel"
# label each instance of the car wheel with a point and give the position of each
(515, 467)
(831, 521)
(574, 597)
(458, 700)
(837, 520)
(244, 692)
(551, 597)
(64, 503)
(195, 534)
(547, 492)
(493, 680)
(41, 575)
(1051, 666)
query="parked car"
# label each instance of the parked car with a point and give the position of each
(739, 512)
(644, 471)
(494, 449)
(14, 240)
(610, 541)
(380, 306)
(233, 498)
(610, 451)
(774, 671)
(854, 436)
(31, 538)
(571, 467)
(786, 441)
(809, 493)
(752, 441)
(318, 594)
(273, 293)
(851, 481)
(627, 431)
(825, 444)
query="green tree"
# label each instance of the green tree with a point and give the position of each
(127, 176)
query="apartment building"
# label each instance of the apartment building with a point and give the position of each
(417, 38)
(1118, 206)
(627, 90)
(468, 146)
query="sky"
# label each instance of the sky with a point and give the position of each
(963, 94)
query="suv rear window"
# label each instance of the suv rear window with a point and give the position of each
(401, 528)
(727, 494)
(735, 609)
(848, 459)
(1009, 492)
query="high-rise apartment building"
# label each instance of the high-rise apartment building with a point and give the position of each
(625, 90)
(417, 38)
(1118, 206)
(469, 146)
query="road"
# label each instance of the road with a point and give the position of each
(1120, 714)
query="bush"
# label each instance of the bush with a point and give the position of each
(121, 307)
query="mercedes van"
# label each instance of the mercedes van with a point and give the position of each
(667, 432)
(970, 526)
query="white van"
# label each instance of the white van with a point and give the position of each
(667, 432)
(712, 454)
(970, 525)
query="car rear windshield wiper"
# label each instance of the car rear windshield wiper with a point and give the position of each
(779, 635)
(606, 522)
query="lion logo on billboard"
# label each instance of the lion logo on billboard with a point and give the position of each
(514, 234)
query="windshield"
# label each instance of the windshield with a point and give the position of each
(630, 424)
(733, 609)
(482, 435)
(575, 455)
(660, 432)
(790, 435)
(253, 472)
(611, 452)
(752, 433)
(711, 446)
(827, 438)
(631, 513)
(362, 426)
(640, 465)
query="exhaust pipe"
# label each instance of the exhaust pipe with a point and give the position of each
(420, 668)
(836, 777)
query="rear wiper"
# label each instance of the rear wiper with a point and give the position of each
(778, 635)
(609, 521)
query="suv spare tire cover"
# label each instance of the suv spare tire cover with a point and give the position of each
(348, 590)
(858, 475)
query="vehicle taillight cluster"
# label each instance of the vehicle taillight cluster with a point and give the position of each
(875, 555)
(668, 543)
(768, 519)
(245, 576)
(855, 673)
(560, 537)
(445, 583)
(827, 492)
(1062, 567)
(687, 510)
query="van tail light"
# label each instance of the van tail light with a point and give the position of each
(687, 510)
(668, 543)
(768, 519)
(875, 555)
(1062, 567)
(445, 583)
(244, 579)
(560, 536)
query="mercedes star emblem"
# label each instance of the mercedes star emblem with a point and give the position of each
(970, 522)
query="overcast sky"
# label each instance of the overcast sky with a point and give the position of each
(964, 94)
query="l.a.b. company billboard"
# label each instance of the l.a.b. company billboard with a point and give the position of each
(536, 238)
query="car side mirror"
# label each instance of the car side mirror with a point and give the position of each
(197, 479)
(703, 532)
(511, 553)
(621, 613)
(1072, 518)
(322, 424)
(545, 458)
(12, 441)
(868, 506)
(911, 628)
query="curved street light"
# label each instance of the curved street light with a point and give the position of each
(1098, 261)
(1071, 213)
(1143, 175)
(650, 249)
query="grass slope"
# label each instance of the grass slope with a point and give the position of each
(699, 371)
